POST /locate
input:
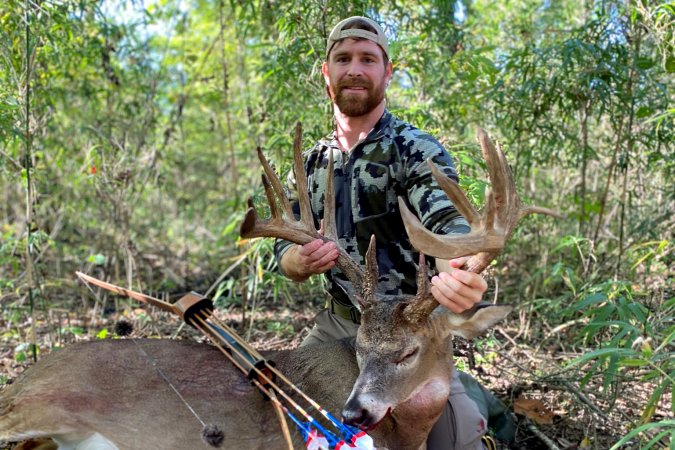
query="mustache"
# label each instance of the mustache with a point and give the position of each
(354, 83)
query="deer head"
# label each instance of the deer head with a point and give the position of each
(404, 345)
(404, 352)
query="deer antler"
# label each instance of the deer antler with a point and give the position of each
(283, 224)
(489, 229)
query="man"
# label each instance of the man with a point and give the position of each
(377, 158)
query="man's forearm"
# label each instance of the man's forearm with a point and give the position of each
(290, 265)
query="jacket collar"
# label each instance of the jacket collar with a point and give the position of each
(381, 128)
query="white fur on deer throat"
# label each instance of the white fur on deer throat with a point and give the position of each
(428, 393)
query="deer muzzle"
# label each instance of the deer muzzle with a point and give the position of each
(364, 411)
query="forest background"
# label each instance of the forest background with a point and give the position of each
(127, 150)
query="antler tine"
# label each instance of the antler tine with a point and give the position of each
(277, 190)
(424, 302)
(490, 230)
(490, 208)
(329, 226)
(301, 178)
(503, 187)
(274, 209)
(351, 269)
(371, 275)
(453, 191)
(527, 210)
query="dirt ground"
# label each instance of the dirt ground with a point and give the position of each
(552, 410)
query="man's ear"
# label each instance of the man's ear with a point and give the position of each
(324, 71)
(388, 72)
(326, 78)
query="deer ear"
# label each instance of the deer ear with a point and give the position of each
(474, 323)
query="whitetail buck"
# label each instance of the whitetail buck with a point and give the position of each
(394, 381)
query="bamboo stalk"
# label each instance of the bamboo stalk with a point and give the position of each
(29, 193)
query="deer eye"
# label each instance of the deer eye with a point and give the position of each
(406, 357)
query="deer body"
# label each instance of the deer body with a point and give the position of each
(116, 388)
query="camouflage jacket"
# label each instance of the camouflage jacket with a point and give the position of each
(389, 162)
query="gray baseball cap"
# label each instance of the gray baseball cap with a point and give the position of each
(338, 34)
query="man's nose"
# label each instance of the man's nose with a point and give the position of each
(355, 69)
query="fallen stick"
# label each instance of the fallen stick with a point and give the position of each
(531, 427)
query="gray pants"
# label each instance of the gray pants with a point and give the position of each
(453, 430)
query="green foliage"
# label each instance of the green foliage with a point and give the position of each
(281, 328)
(144, 119)
(664, 429)
(22, 352)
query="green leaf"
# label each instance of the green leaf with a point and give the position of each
(97, 259)
(230, 227)
(9, 104)
(15, 317)
(670, 64)
(21, 352)
(21, 356)
(589, 300)
(633, 362)
(644, 63)
(657, 438)
(665, 424)
(77, 331)
(601, 353)
(643, 111)
(102, 334)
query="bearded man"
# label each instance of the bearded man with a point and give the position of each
(377, 159)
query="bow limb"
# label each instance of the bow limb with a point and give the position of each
(131, 294)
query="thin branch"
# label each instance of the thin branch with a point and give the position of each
(226, 273)
(584, 399)
(17, 165)
(532, 428)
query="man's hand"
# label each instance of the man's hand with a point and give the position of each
(457, 290)
(302, 261)
(317, 256)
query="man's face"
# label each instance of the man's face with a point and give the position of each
(356, 76)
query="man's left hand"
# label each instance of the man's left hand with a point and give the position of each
(456, 289)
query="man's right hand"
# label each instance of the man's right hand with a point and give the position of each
(302, 261)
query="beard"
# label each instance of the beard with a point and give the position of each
(355, 105)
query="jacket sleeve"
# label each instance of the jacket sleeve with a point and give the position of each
(425, 196)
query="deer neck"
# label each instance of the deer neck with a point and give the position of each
(409, 424)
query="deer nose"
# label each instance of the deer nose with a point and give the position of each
(356, 415)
